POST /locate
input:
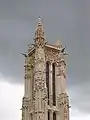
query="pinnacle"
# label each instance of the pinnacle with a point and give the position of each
(39, 29)
(57, 42)
(39, 21)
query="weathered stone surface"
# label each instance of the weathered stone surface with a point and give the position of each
(35, 101)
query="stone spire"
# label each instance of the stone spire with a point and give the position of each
(39, 34)
(39, 29)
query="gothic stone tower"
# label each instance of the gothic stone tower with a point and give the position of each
(45, 96)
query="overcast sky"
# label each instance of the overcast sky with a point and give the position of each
(67, 20)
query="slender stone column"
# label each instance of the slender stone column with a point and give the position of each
(26, 78)
(51, 115)
(26, 87)
(25, 114)
(58, 116)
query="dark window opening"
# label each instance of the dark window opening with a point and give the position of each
(31, 116)
(54, 116)
(47, 79)
(53, 84)
(48, 115)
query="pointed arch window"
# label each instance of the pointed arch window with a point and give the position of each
(53, 84)
(48, 115)
(47, 79)
(54, 116)
(31, 116)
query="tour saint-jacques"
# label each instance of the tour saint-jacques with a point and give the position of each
(45, 92)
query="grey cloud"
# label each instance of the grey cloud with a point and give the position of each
(79, 97)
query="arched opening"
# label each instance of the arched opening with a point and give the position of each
(53, 84)
(47, 79)
(54, 116)
(48, 115)
(31, 116)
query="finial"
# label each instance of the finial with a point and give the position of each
(39, 29)
(39, 20)
(58, 43)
